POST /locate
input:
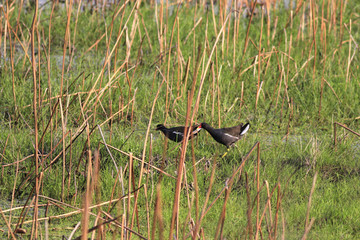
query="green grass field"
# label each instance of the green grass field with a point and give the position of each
(82, 89)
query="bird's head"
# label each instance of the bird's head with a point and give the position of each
(160, 126)
(203, 125)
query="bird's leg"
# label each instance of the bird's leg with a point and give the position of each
(225, 153)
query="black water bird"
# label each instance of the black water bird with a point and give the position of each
(176, 134)
(227, 136)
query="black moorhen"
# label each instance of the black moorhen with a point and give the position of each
(176, 134)
(227, 136)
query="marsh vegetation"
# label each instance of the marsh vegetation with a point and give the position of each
(83, 86)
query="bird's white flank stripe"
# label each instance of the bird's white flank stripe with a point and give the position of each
(178, 133)
(230, 136)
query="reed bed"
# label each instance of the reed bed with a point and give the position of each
(84, 83)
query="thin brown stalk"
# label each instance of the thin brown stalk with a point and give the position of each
(66, 37)
(258, 190)
(307, 230)
(36, 159)
(349, 58)
(249, 227)
(14, 188)
(307, 225)
(129, 187)
(219, 228)
(343, 126)
(157, 218)
(312, 9)
(259, 61)
(12, 68)
(7, 224)
(63, 124)
(278, 201)
(87, 200)
(196, 185)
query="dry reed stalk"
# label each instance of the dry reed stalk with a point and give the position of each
(96, 187)
(341, 22)
(87, 199)
(345, 127)
(12, 67)
(270, 224)
(324, 67)
(36, 158)
(13, 163)
(278, 201)
(157, 217)
(307, 224)
(193, 29)
(122, 225)
(249, 226)
(146, 190)
(25, 209)
(66, 39)
(5, 34)
(313, 27)
(74, 230)
(258, 190)
(290, 118)
(196, 185)
(213, 18)
(7, 224)
(189, 222)
(129, 187)
(302, 67)
(259, 61)
(219, 228)
(59, 203)
(349, 59)
(14, 188)
(63, 124)
(228, 31)
(218, 97)
(39, 72)
(289, 57)
(307, 230)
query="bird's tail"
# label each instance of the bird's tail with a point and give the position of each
(245, 128)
